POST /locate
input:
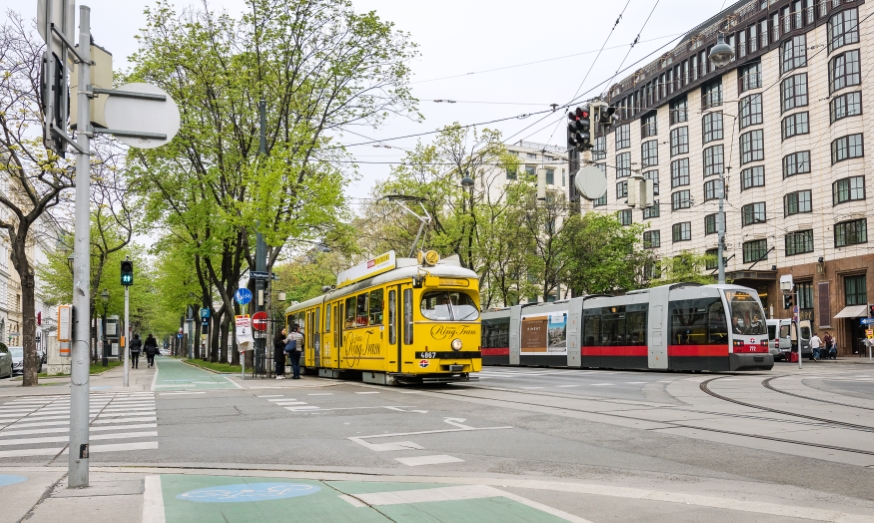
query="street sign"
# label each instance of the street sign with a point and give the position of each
(259, 275)
(259, 321)
(179, 335)
(144, 123)
(243, 331)
(243, 296)
(795, 309)
(591, 182)
(869, 334)
(867, 321)
(204, 313)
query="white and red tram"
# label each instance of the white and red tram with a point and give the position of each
(683, 326)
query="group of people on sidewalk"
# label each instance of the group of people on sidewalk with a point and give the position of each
(150, 348)
(830, 346)
(290, 343)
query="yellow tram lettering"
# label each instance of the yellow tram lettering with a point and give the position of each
(453, 282)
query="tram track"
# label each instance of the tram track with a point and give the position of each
(767, 384)
(674, 424)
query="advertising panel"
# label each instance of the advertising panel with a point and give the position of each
(362, 271)
(544, 334)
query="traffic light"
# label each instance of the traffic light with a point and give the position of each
(787, 301)
(127, 272)
(578, 128)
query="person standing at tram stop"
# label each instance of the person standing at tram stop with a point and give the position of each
(294, 348)
(136, 345)
(279, 354)
(151, 349)
(815, 344)
(829, 343)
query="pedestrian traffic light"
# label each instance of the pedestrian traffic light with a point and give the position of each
(787, 301)
(127, 272)
(578, 128)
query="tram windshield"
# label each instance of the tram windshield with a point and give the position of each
(452, 306)
(747, 316)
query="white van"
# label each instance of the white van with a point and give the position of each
(782, 337)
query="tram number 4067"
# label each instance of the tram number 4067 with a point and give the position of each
(428, 355)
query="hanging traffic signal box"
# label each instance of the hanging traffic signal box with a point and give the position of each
(787, 301)
(127, 272)
(579, 124)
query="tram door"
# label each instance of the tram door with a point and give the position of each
(317, 337)
(394, 341)
(405, 340)
(659, 328)
(515, 330)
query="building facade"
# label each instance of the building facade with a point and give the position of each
(784, 125)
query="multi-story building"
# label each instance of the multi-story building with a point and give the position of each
(783, 123)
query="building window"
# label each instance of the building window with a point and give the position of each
(848, 104)
(713, 160)
(797, 202)
(682, 232)
(599, 151)
(710, 224)
(654, 176)
(681, 200)
(624, 217)
(805, 295)
(848, 190)
(750, 109)
(763, 31)
(679, 172)
(531, 170)
(752, 177)
(847, 147)
(711, 94)
(621, 190)
(756, 250)
(753, 213)
(844, 71)
(649, 153)
(795, 124)
(843, 29)
(652, 211)
(680, 141)
(856, 290)
(799, 242)
(600, 202)
(793, 53)
(712, 126)
(511, 174)
(531, 156)
(851, 233)
(679, 111)
(652, 240)
(623, 137)
(550, 177)
(711, 190)
(623, 165)
(648, 126)
(752, 146)
(796, 163)
(750, 76)
(711, 261)
(793, 92)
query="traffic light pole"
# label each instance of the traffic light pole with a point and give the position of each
(126, 336)
(77, 475)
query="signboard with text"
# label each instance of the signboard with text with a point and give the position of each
(368, 269)
(544, 334)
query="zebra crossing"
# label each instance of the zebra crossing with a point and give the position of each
(40, 425)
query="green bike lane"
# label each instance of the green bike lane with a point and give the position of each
(183, 498)
(172, 374)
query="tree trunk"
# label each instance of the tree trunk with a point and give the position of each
(28, 331)
(214, 337)
(223, 340)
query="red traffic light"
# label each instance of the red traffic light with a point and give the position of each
(582, 114)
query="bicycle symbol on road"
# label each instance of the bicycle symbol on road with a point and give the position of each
(248, 492)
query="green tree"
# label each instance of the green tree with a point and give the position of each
(687, 266)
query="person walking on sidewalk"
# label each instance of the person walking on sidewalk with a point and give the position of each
(815, 344)
(279, 354)
(136, 345)
(294, 348)
(151, 349)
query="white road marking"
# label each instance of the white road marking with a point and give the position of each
(437, 459)
(296, 409)
(601, 384)
(180, 393)
(153, 501)
(321, 394)
(367, 393)
(530, 388)
(271, 396)
(387, 447)
(63, 430)
(58, 439)
(285, 403)
(565, 386)
(283, 399)
(234, 383)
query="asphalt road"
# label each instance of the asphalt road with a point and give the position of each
(611, 429)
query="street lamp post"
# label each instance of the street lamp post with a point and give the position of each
(720, 56)
(105, 297)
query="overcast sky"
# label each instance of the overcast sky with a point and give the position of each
(460, 42)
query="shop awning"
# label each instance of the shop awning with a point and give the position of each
(853, 311)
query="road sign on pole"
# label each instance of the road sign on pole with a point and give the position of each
(259, 321)
(141, 115)
(243, 296)
(204, 313)
(867, 321)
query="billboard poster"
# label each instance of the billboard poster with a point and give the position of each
(544, 334)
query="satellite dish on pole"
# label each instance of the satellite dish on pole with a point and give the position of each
(591, 182)
(145, 118)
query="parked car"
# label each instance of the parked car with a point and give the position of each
(164, 352)
(18, 360)
(779, 342)
(5, 362)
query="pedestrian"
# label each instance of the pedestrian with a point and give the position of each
(279, 354)
(833, 351)
(136, 345)
(828, 341)
(294, 348)
(815, 343)
(151, 349)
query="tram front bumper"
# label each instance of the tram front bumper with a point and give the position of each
(751, 361)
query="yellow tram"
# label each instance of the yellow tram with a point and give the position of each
(394, 320)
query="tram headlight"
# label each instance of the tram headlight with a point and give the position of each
(456, 344)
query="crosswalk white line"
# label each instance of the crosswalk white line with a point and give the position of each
(57, 439)
(65, 430)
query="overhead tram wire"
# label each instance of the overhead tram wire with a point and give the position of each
(636, 40)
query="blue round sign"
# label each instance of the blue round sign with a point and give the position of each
(9, 479)
(245, 492)
(243, 296)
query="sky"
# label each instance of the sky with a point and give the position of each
(478, 53)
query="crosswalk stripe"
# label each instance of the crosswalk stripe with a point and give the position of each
(58, 439)
(63, 430)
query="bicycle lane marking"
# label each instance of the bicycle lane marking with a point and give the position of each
(175, 375)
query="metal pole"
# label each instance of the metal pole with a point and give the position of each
(126, 335)
(795, 318)
(260, 255)
(77, 473)
(720, 229)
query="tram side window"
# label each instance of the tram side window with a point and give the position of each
(698, 322)
(717, 324)
(635, 324)
(327, 318)
(361, 310)
(496, 333)
(408, 316)
(340, 323)
(376, 298)
(350, 312)
(592, 330)
(613, 329)
(392, 317)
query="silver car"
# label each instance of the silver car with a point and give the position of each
(5, 362)
(18, 360)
